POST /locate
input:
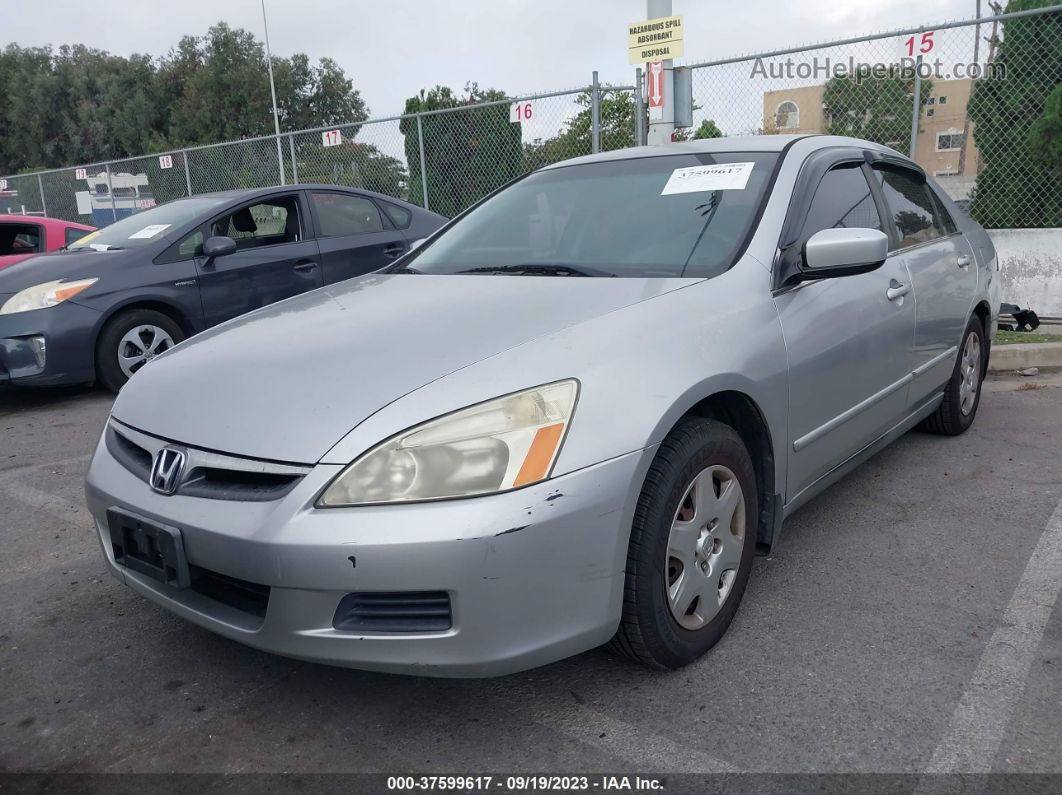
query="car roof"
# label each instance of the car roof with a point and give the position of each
(41, 219)
(737, 143)
(238, 194)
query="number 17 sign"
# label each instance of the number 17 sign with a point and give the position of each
(331, 138)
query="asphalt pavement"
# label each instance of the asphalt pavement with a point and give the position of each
(906, 622)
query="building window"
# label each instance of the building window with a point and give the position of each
(931, 101)
(943, 100)
(787, 116)
(949, 141)
(929, 112)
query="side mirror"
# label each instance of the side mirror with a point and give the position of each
(218, 247)
(417, 243)
(843, 252)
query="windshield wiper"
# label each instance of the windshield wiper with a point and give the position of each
(536, 269)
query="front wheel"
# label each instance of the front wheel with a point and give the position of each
(129, 341)
(962, 395)
(691, 547)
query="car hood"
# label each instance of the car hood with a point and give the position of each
(288, 381)
(11, 259)
(68, 265)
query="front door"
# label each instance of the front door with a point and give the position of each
(273, 258)
(942, 268)
(353, 234)
(849, 340)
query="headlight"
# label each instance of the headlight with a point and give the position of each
(44, 295)
(502, 444)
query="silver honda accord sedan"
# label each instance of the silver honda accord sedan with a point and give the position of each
(572, 416)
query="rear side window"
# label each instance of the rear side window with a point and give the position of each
(842, 200)
(913, 210)
(343, 214)
(399, 216)
(72, 234)
(20, 239)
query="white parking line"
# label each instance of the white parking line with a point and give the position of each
(642, 749)
(980, 721)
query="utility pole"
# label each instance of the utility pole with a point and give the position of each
(273, 92)
(660, 129)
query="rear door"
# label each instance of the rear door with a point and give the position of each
(848, 339)
(275, 257)
(354, 236)
(940, 261)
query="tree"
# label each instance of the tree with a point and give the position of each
(878, 110)
(617, 130)
(1016, 114)
(78, 105)
(467, 153)
(356, 165)
(706, 129)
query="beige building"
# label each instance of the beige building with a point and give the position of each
(940, 147)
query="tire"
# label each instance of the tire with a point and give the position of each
(962, 395)
(656, 629)
(156, 333)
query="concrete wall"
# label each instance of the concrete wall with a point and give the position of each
(1030, 266)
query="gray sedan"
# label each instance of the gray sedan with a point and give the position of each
(572, 416)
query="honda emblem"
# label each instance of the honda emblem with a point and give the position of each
(166, 470)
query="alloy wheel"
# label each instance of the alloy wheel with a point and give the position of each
(140, 345)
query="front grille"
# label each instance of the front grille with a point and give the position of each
(425, 611)
(247, 597)
(212, 476)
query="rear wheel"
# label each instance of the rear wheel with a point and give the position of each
(129, 341)
(691, 547)
(962, 395)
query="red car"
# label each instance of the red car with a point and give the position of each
(22, 236)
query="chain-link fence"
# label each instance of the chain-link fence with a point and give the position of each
(443, 159)
(978, 104)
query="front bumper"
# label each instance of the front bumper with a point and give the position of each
(533, 575)
(69, 332)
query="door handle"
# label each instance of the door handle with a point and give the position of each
(393, 250)
(304, 265)
(897, 290)
(962, 261)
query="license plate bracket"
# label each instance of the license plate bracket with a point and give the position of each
(149, 548)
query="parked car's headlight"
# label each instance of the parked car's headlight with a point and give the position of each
(44, 295)
(502, 444)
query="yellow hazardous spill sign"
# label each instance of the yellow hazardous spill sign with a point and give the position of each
(654, 39)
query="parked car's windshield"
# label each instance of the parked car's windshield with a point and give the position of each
(673, 215)
(144, 227)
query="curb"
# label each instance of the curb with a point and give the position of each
(1020, 355)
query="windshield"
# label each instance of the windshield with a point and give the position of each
(668, 216)
(144, 227)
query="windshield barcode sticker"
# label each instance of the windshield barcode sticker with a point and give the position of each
(149, 231)
(722, 176)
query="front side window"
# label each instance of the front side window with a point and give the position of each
(265, 223)
(343, 214)
(663, 216)
(145, 228)
(913, 211)
(842, 200)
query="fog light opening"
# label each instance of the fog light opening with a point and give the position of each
(40, 350)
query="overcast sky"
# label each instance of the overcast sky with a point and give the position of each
(394, 48)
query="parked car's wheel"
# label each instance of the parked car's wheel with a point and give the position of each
(691, 547)
(129, 341)
(962, 395)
